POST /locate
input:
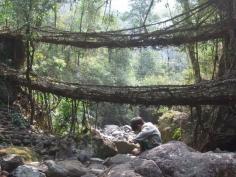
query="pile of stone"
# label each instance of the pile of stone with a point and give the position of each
(14, 166)
(174, 159)
(116, 133)
(46, 145)
(105, 143)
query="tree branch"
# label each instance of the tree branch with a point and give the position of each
(148, 11)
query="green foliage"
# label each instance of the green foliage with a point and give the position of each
(146, 66)
(18, 13)
(103, 66)
(162, 109)
(177, 135)
(61, 120)
(206, 55)
(138, 13)
(6, 11)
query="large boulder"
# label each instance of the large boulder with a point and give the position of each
(135, 168)
(128, 165)
(118, 159)
(66, 168)
(122, 170)
(11, 162)
(103, 146)
(176, 159)
(27, 171)
(89, 175)
(85, 154)
(147, 168)
(124, 147)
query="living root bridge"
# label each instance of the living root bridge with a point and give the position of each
(209, 93)
(162, 38)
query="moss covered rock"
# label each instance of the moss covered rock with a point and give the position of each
(175, 125)
(26, 153)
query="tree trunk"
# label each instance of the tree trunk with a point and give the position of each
(190, 47)
(195, 64)
(221, 122)
(12, 53)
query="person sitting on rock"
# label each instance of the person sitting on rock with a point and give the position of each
(148, 136)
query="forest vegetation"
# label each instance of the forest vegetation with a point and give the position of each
(73, 65)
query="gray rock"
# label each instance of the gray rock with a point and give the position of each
(147, 168)
(26, 141)
(96, 166)
(118, 159)
(89, 175)
(109, 129)
(67, 168)
(96, 171)
(4, 174)
(178, 160)
(134, 168)
(27, 171)
(122, 170)
(96, 160)
(17, 142)
(11, 162)
(124, 147)
(66, 149)
(175, 159)
(116, 133)
(104, 147)
(85, 155)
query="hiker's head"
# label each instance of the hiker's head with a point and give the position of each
(136, 124)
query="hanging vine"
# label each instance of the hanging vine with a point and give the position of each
(30, 49)
(96, 116)
(74, 108)
(84, 122)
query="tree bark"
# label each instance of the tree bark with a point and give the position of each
(220, 120)
(195, 64)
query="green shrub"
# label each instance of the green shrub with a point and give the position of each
(177, 135)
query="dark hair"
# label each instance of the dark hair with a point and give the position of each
(135, 122)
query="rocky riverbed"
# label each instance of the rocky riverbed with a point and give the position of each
(107, 156)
